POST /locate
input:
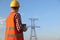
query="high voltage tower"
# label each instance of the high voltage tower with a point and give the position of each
(33, 35)
(2, 20)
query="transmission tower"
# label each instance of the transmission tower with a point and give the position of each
(33, 35)
(2, 20)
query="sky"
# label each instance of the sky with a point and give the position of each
(47, 11)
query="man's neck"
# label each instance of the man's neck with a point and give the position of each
(14, 11)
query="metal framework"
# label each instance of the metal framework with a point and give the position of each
(33, 35)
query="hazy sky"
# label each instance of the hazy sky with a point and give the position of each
(47, 11)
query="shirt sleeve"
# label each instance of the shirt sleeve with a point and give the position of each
(18, 22)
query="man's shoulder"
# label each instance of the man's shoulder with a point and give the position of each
(17, 15)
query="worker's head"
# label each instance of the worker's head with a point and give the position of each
(15, 9)
(14, 5)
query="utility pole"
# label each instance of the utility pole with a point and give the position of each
(33, 31)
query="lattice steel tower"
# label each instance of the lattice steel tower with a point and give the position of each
(33, 35)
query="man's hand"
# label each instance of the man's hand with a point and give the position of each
(18, 28)
(24, 27)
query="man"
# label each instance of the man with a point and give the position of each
(14, 27)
